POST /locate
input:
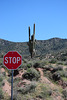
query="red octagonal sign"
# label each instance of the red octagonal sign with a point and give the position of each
(12, 60)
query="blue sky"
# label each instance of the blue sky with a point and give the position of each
(49, 16)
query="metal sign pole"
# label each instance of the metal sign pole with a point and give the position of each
(12, 86)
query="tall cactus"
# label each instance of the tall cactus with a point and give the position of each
(32, 42)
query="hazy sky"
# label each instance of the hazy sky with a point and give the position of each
(49, 16)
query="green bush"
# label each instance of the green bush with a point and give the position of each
(60, 68)
(60, 63)
(47, 68)
(66, 69)
(36, 65)
(40, 64)
(26, 66)
(63, 58)
(29, 65)
(9, 80)
(53, 61)
(1, 94)
(63, 73)
(56, 76)
(28, 88)
(45, 62)
(1, 55)
(65, 63)
(15, 95)
(3, 83)
(1, 79)
(45, 92)
(4, 73)
(16, 80)
(31, 74)
(64, 92)
(1, 63)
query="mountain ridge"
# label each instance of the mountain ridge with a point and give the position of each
(43, 47)
(36, 39)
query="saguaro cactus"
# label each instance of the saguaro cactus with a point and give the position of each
(31, 43)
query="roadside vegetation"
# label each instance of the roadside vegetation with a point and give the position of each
(29, 83)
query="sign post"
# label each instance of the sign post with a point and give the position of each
(12, 60)
(12, 86)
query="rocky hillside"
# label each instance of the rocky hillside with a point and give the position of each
(42, 78)
(43, 47)
(35, 80)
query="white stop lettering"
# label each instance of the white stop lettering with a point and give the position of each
(13, 60)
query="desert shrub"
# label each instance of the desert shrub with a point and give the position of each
(23, 66)
(47, 68)
(53, 61)
(28, 88)
(45, 62)
(1, 79)
(4, 73)
(65, 63)
(3, 83)
(39, 64)
(15, 95)
(25, 60)
(60, 63)
(56, 76)
(66, 69)
(45, 92)
(1, 55)
(60, 67)
(34, 72)
(16, 72)
(16, 79)
(31, 74)
(1, 94)
(9, 80)
(64, 92)
(63, 73)
(1, 63)
(53, 73)
(26, 66)
(63, 58)
(36, 65)
(29, 65)
(55, 69)
(64, 79)
(0, 84)
(10, 73)
(47, 74)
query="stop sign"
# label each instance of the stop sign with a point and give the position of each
(12, 60)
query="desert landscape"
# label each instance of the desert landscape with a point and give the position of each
(43, 77)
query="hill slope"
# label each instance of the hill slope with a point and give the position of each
(36, 79)
(43, 47)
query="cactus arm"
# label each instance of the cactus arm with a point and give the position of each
(29, 34)
(34, 33)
